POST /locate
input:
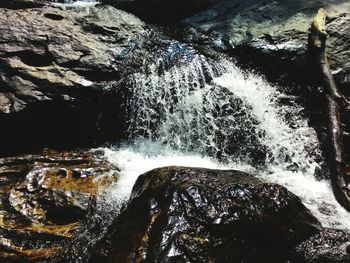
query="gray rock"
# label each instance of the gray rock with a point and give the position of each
(256, 30)
(339, 49)
(55, 66)
(47, 49)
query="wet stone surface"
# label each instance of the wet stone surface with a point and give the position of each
(328, 246)
(44, 200)
(180, 214)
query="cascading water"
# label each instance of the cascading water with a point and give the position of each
(214, 115)
(234, 117)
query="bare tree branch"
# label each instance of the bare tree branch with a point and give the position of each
(335, 101)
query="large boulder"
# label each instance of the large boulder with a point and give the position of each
(181, 214)
(55, 67)
(45, 199)
(256, 32)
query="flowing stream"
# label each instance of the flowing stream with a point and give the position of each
(214, 115)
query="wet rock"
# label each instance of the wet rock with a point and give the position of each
(45, 200)
(272, 35)
(180, 214)
(328, 246)
(55, 67)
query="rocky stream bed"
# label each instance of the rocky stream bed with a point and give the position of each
(170, 131)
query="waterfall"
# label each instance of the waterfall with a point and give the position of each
(214, 115)
(235, 117)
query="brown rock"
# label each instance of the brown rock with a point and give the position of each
(44, 200)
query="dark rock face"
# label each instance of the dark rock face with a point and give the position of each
(179, 214)
(19, 4)
(328, 246)
(161, 11)
(45, 199)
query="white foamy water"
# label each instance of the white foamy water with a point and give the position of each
(316, 195)
(213, 115)
(133, 162)
(83, 6)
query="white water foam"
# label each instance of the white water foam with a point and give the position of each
(187, 117)
(316, 195)
(81, 6)
(146, 155)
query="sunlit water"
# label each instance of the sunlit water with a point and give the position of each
(214, 115)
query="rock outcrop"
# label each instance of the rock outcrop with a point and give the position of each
(55, 67)
(45, 199)
(180, 214)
